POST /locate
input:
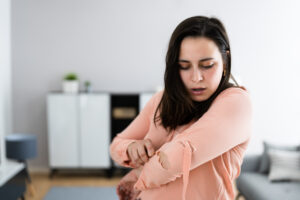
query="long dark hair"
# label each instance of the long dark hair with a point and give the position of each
(176, 107)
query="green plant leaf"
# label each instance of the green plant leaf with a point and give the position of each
(71, 77)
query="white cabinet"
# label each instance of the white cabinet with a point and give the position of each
(78, 130)
(94, 130)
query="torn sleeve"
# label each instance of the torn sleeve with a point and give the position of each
(226, 124)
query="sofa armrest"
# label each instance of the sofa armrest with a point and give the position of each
(250, 163)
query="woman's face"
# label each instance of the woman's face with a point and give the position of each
(201, 66)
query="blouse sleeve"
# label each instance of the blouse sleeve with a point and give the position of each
(136, 130)
(226, 124)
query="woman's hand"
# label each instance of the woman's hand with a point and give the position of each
(140, 151)
(126, 191)
(125, 188)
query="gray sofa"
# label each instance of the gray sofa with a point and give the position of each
(255, 186)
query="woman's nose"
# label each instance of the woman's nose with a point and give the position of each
(197, 75)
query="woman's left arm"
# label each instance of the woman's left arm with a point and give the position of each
(226, 124)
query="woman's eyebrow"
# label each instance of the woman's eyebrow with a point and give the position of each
(185, 61)
(202, 60)
(205, 59)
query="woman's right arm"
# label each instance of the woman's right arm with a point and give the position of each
(136, 130)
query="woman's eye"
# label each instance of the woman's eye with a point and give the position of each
(208, 66)
(184, 67)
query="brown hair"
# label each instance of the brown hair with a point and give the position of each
(176, 107)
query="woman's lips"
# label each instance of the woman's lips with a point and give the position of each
(198, 91)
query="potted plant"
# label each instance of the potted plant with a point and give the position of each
(70, 83)
(87, 85)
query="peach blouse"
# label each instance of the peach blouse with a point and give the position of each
(205, 155)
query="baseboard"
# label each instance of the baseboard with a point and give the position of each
(39, 169)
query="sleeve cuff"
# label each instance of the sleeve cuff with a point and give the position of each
(142, 182)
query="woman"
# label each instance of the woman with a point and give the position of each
(189, 140)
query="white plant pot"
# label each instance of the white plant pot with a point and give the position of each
(70, 86)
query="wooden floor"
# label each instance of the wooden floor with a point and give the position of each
(42, 183)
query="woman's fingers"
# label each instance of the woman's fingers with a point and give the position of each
(140, 151)
(134, 154)
(130, 150)
(146, 150)
(149, 147)
(136, 158)
(142, 154)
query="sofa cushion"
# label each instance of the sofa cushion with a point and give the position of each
(251, 163)
(285, 165)
(264, 166)
(256, 186)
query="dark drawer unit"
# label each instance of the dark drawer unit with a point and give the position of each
(14, 188)
(124, 109)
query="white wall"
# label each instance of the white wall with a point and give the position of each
(121, 45)
(5, 76)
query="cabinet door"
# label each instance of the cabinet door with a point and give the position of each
(94, 130)
(63, 130)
